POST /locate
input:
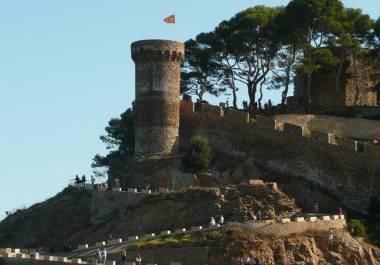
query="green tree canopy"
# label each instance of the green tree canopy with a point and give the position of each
(119, 140)
(249, 41)
(199, 73)
(315, 21)
(199, 154)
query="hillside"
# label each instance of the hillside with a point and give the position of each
(76, 216)
(231, 245)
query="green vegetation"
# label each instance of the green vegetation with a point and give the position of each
(317, 127)
(306, 134)
(356, 228)
(198, 155)
(120, 141)
(252, 120)
(306, 36)
(194, 239)
(185, 240)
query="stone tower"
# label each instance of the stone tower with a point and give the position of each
(157, 95)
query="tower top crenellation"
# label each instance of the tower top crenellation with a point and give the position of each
(167, 50)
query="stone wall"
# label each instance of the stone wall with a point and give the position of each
(300, 227)
(184, 256)
(29, 262)
(323, 88)
(336, 165)
(357, 128)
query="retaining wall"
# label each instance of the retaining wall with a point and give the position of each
(166, 256)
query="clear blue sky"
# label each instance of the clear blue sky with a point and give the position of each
(65, 70)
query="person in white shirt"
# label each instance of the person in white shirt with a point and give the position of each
(104, 255)
(212, 221)
(221, 220)
(99, 255)
(246, 260)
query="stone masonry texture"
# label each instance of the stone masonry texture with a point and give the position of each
(157, 95)
(351, 176)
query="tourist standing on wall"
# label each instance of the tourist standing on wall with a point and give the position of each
(83, 180)
(124, 259)
(77, 180)
(316, 208)
(221, 220)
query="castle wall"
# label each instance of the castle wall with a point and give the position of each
(185, 256)
(335, 165)
(323, 87)
(357, 128)
(157, 93)
(367, 77)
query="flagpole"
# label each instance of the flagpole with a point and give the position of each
(175, 22)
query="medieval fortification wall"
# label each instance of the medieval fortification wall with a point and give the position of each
(338, 165)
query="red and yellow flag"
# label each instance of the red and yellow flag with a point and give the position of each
(170, 19)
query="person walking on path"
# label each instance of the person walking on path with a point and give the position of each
(221, 220)
(138, 259)
(98, 256)
(124, 258)
(104, 256)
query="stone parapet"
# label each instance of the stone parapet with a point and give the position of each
(157, 50)
(236, 116)
(347, 144)
(293, 130)
(320, 137)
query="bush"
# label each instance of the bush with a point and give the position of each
(356, 228)
(199, 154)
(252, 121)
(317, 128)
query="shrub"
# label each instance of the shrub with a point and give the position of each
(252, 121)
(317, 128)
(356, 228)
(214, 235)
(199, 154)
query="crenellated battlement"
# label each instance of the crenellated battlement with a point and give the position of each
(157, 50)
(341, 166)
(268, 124)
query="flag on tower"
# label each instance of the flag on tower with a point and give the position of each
(170, 19)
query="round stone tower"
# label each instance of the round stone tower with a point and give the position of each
(157, 95)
